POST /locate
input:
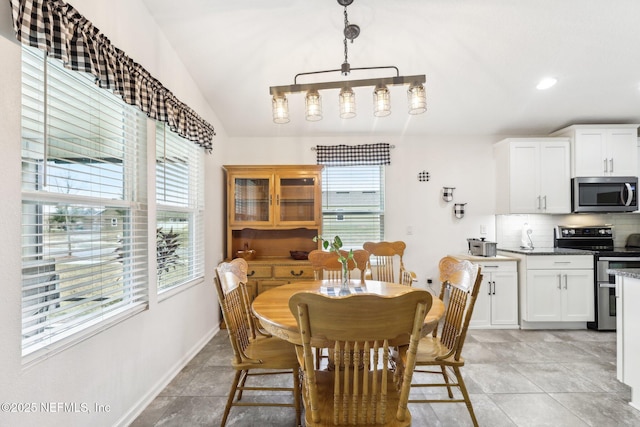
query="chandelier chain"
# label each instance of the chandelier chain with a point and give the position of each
(346, 24)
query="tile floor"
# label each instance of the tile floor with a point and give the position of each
(516, 378)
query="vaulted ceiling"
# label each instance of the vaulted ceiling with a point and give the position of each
(482, 60)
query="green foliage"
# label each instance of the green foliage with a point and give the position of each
(166, 246)
(335, 246)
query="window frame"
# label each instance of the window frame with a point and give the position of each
(356, 218)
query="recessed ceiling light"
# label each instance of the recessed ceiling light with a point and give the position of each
(546, 83)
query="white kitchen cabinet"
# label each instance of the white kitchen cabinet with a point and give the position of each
(533, 175)
(558, 288)
(628, 335)
(497, 302)
(603, 150)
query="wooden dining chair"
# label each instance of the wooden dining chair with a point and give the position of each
(252, 355)
(460, 285)
(386, 264)
(359, 329)
(326, 265)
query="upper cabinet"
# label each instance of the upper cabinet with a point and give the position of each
(274, 196)
(603, 150)
(533, 175)
(273, 210)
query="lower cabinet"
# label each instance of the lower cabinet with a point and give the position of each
(497, 302)
(559, 289)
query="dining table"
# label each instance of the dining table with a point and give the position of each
(272, 306)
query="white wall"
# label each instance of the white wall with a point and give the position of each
(127, 364)
(464, 162)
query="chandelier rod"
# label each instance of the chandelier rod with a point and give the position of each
(391, 81)
(295, 79)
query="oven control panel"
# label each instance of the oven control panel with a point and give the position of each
(598, 231)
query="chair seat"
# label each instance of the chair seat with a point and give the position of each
(431, 350)
(325, 388)
(269, 353)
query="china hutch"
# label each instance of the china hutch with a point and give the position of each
(271, 211)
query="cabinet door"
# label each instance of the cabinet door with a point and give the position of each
(252, 202)
(555, 177)
(296, 201)
(622, 152)
(578, 295)
(590, 152)
(544, 299)
(504, 298)
(524, 190)
(481, 317)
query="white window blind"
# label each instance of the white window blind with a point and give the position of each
(353, 204)
(84, 223)
(180, 200)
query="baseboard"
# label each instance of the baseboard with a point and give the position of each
(162, 383)
(553, 325)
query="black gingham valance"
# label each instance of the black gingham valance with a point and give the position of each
(353, 155)
(58, 29)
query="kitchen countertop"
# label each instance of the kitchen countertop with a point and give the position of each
(633, 273)
(547, 251)
(477, 258)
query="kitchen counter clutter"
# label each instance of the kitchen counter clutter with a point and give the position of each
(628, 333)
(546, 251)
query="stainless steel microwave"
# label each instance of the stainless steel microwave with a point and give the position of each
(604, 194)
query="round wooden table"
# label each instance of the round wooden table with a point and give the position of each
(272, 307)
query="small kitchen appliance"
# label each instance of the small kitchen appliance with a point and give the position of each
(604, 194)
(600, 240)
(482, 247)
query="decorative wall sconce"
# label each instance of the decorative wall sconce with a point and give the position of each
(458, 210)
(447, 193)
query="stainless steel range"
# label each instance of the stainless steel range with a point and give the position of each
(599, 239)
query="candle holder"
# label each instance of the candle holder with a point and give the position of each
(458, 210)
(447, 193)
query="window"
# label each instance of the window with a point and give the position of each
(179, 196)
(353, 204)
(84, 222)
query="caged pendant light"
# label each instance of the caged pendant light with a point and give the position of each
(416, 94)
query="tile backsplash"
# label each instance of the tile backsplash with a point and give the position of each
(509, 227)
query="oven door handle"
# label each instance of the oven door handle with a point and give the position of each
(606, 285)
(618, 258)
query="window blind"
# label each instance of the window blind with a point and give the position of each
(180, 204)
(84, 219)
(353, 204)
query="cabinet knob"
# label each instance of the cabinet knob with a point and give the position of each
(251, 274)
(293, 273)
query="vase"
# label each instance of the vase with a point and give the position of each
(344, 287)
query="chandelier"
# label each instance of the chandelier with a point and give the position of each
(417, 98)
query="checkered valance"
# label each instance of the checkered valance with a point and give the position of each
(58, 29)
(352, 155)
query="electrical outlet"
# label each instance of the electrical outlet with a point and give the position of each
(409, 230)
(483, 229)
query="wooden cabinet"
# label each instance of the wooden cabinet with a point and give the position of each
(533, 175)
(558, 288)
(603, 150)
(273, 210)
(274, 196)
(497, 302)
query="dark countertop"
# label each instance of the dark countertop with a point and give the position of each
(547, 251)
(633, 273)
